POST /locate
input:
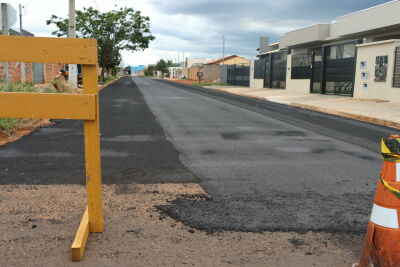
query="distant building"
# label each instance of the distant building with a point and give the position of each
(193, 62)
(229, 60)
(357, 54)
(136, 69)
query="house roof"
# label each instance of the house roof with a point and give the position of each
(218, 60)
(24, 32)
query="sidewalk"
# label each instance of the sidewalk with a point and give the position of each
(374, 111)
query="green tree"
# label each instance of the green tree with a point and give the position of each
(162, 66)
(170, 63)
(149, 70)
(116, 30)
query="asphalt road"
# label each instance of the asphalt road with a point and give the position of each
(266, 166)
(133, 146)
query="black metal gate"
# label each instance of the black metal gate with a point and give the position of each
(278, 70)
(238, 75)
(335, 72)
(275, 70)
(267, 71)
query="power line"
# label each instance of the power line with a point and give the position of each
(96, 4)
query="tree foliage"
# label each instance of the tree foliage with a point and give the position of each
(116, 30)
(162, 66)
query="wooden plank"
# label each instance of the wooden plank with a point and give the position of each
(48, 50)
(78, 246)
(92, 155)
(48, 106)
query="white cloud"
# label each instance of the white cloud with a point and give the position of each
(196, 26)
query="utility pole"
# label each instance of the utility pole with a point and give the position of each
(72, 68)
(4, 23)
(22, 64)
(223, 49)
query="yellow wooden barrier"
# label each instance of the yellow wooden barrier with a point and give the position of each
(63, 106)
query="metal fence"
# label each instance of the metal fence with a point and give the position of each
(238, 75)
(259, 69)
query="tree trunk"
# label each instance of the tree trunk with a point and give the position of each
(102, 75)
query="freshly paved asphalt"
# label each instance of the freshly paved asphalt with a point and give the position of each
(134, 147)
(266, 166)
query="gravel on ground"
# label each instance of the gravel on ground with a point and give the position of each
(38, 224)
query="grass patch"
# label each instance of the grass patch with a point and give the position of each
(112, 78)
(17, 87)
(8, 126)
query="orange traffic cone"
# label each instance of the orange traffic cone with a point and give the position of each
(382, 241)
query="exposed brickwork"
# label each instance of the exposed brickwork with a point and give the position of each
(50, 71)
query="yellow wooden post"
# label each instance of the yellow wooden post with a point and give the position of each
(92, 154)
(62, 106)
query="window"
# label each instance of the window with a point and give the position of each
(349, 50)
(341, 51)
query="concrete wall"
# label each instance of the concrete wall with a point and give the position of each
(376, 90)
(318, 32)
(185, 72)
(224, 74)
(295, 85)
(368, 19)
(255, 83)
(211, 74)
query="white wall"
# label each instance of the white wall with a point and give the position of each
(255, 83)
(317, 32)
(376, 90)
(372, 18)
(295, 85)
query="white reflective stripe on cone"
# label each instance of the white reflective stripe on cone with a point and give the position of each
(384, 217)
(397, 172)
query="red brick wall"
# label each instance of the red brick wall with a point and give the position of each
(14, 70)
(51, 70)
(193, 73)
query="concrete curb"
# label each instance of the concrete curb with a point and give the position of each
(339, 113)
(349, 115)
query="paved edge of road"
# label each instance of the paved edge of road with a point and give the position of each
(330, 111)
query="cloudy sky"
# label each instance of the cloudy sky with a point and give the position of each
(195, 27)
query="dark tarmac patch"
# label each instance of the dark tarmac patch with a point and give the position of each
(297, 212)
(230, 136)
(134, 147)
(209, 152)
